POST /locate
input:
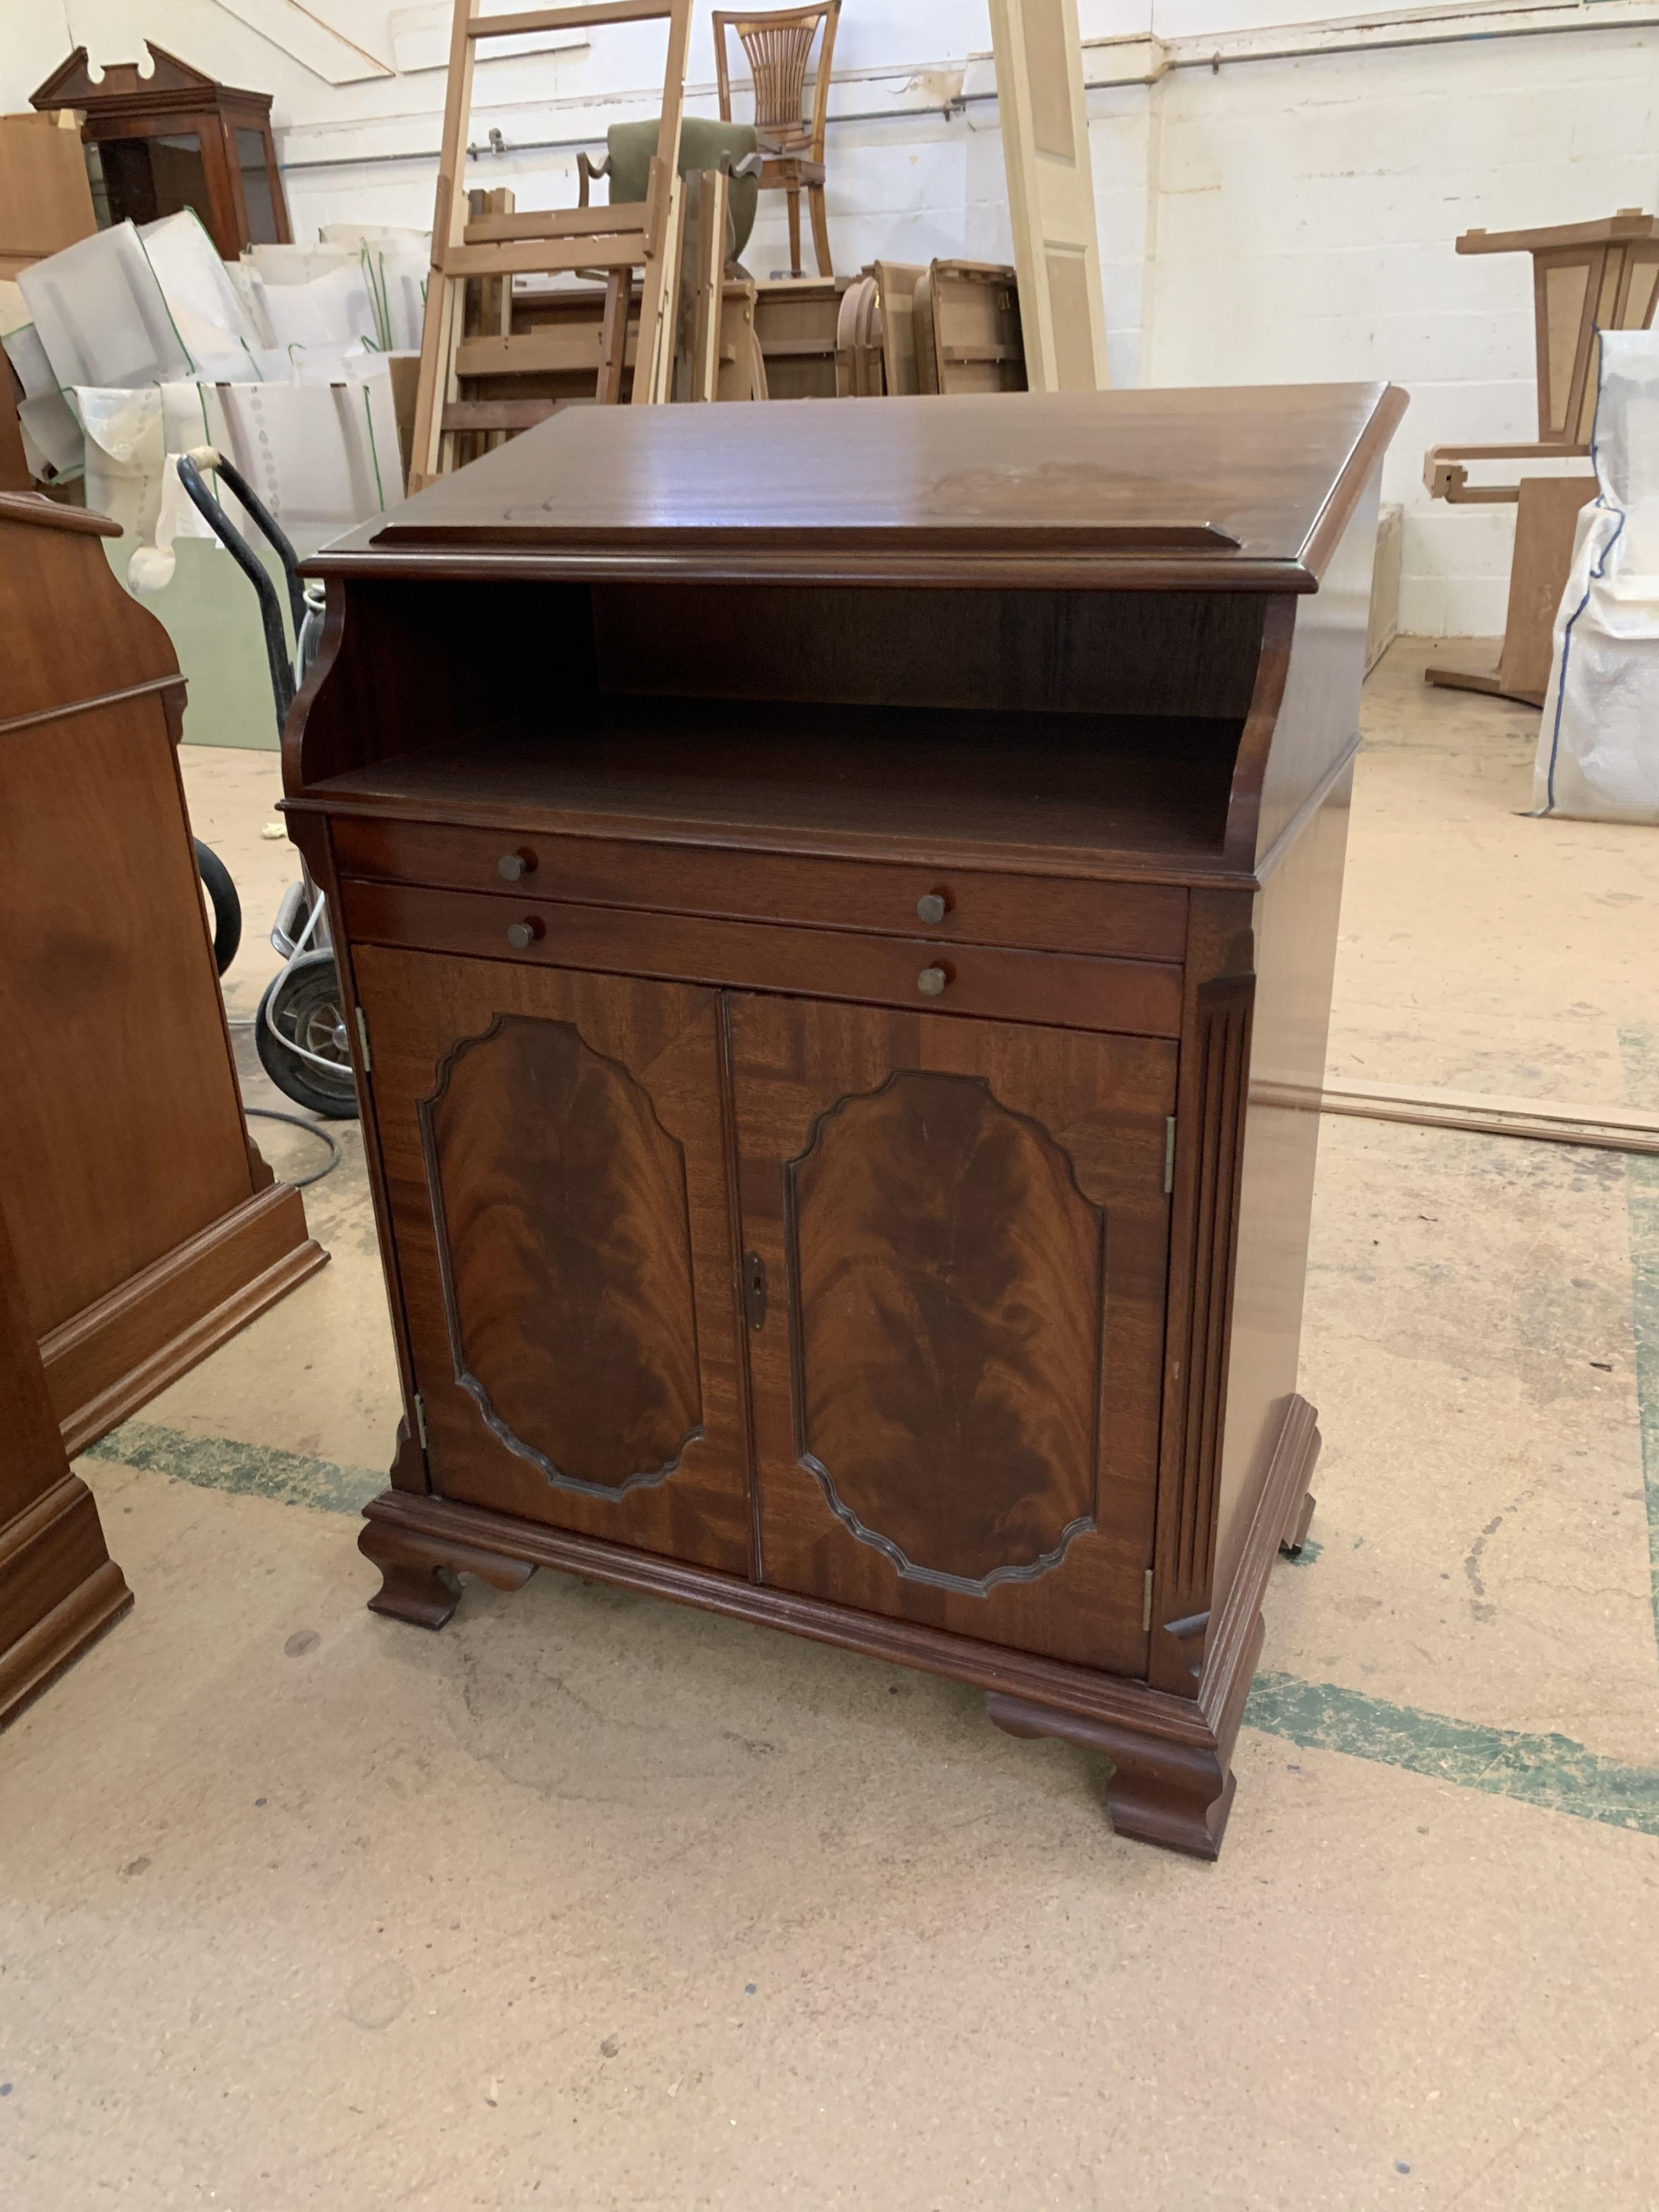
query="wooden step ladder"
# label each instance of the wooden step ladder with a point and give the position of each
(640, 236)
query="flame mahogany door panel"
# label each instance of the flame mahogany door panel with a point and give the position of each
(555, 1151)
(955, 1381)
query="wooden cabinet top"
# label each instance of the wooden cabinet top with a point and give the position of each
(1235, 489)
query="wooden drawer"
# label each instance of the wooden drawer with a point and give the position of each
(1137, 998)
(1134, 922)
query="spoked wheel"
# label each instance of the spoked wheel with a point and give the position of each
(226, 908)
(303, 1005)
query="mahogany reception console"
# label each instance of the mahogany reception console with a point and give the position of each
(839, 905)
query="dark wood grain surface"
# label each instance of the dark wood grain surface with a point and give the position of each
(110, 1018)
(124, 1158)
(1142, 921)
(1166, 654)
(576, 1278)
(947, 1302)
(1138, 483)
(564, 1238)
(1098, 794)
(1139, 996)
(957, 1296)
(870, 995)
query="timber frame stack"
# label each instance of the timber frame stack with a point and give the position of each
(619, 240)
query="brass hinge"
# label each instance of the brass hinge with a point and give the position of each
(362, 1039)
(1147, 1602)
(1169, 1155)
(754, 1289)
(420, 1431)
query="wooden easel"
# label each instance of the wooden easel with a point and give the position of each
(640, 236)
(1587, 277)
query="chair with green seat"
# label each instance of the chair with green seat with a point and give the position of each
(703, 145)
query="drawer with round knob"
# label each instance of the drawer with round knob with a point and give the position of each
(1135, 921)
(1139, 998)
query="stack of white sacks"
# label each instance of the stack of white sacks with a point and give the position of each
(137, 343)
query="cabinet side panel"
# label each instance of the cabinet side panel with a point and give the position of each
(123, 1135)
(1296, 923)
(1318, 721)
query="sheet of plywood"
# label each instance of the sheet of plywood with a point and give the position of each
(1045, 144)
(46, 202)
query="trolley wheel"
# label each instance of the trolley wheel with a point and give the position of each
(227, 906)
(302, 1003)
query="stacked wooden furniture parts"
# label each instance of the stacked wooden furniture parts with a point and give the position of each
(797, 325)
(139, 1226)
(778, 46)
(950, 328)
(967, 329)
(620, 241)
(1587, 276)
(841, 1096)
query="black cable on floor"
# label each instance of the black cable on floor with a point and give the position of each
(311, 1128)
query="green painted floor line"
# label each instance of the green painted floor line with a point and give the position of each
(1549, 1771)
(245, 1470)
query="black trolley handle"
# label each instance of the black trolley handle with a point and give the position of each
(191, 465)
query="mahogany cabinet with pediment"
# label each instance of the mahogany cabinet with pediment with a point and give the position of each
(841, 919)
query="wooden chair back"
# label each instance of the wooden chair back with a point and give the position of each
(778, 46)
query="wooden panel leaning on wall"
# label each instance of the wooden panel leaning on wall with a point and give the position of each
(147, 1228)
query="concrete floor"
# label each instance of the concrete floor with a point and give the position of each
(591, 1901)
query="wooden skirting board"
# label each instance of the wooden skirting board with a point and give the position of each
(1540, 1120)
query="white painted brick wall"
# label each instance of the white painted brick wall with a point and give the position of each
(1276, 221)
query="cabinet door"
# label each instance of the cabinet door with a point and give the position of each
(955, 1384)
(555, 1151)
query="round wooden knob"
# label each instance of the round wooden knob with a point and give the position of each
(513, 865)
(932, 982)
(932, 907)
(521, 935)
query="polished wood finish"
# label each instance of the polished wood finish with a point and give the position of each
(145, 1225)
(568, 1373)
(833, 1102)
(176, 100)
(963, 1227)
(1244, 502)
(59, 1589)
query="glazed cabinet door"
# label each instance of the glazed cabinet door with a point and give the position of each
(555, 1150)
(961, 1231)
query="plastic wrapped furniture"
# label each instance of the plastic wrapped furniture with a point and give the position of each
(1598, 746)
(100, 314)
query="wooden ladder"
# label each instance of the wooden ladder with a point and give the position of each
(642, 236)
